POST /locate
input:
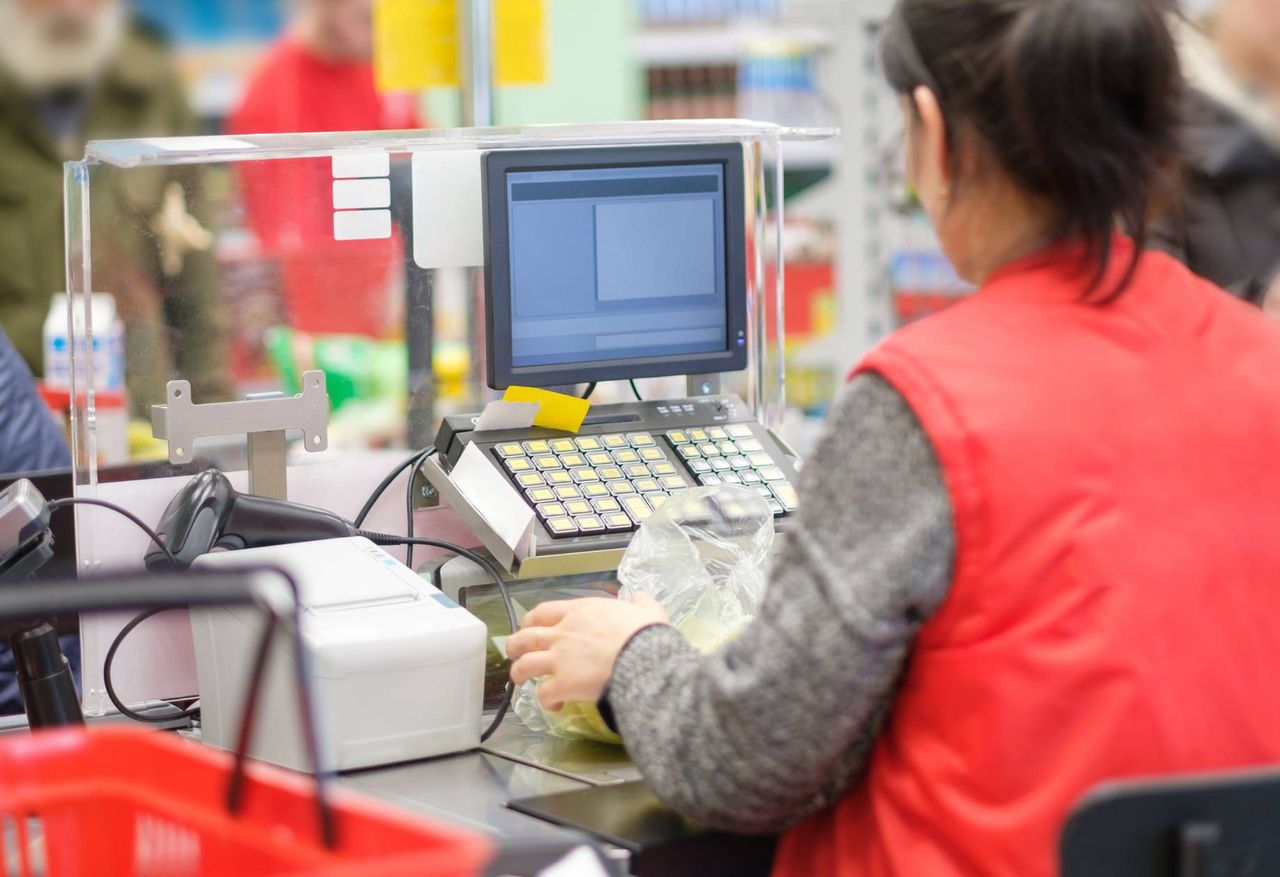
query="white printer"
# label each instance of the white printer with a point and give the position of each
(397, 667)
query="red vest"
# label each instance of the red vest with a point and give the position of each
(1114, 473)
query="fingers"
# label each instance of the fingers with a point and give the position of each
(550, 695)
(528, 640)
(548, 614)
(552, 613)
(531, 666)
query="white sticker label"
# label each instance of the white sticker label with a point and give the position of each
(361, 164)
(361, 194)
(448, 213)
(361, 225)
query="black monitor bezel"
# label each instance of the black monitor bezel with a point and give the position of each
(497, 263)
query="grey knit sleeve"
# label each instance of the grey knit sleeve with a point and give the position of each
(780, 723)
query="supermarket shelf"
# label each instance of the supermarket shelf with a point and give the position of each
(721, 43)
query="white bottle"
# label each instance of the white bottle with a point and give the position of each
(57, 346)
(108, 343)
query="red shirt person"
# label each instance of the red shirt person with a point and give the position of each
(319, 78)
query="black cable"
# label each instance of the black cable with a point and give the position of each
(635, 390)
(509, 691)
(382, 488)
(84, 500)
(111, 691)
(137, 619)
(591, 388)
(408, 501)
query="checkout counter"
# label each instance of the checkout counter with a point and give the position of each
(654, 237)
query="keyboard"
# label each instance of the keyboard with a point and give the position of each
(590, 491)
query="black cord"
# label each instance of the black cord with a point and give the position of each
(591, 388)
(84, 500)
(635, 390)
(408, 502)
(382, 487)
(509, 691)
(111, 690)
(137, 619)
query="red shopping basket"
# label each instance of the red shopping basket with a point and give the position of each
(121, 801)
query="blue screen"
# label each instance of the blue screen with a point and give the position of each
(617, 263)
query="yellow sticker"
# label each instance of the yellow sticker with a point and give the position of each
(415, 44)
(555, 411)
(520, 42)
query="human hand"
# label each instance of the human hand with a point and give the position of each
(576, 642)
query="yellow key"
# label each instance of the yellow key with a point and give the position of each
(609, 473)
(557, 477)
(613, 441)
(673, 482)
(637, 507)
(617, 521)
(652, 455)
(551, 510)
(593, 489)
(627, 456)
(568, 492)
(578, 507)
(588, 443)
(541, 494)
(589, 524)
(510, 449)
(660, 469)
(572, 461)
(563, 446)
(529, 479)
(600, 458)
(562, 526)
(538, 446)
(606, 504)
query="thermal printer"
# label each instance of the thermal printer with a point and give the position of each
(397, 667)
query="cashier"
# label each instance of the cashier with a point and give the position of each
(1037, 545)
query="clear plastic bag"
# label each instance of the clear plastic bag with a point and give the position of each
(704, 556)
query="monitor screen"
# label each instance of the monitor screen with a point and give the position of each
(608, 264)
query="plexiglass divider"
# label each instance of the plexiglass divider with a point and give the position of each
(239, 262)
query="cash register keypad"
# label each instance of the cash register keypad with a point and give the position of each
(612, 483)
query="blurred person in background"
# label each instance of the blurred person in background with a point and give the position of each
(319, 78)
(1227, 224)
(72, 71)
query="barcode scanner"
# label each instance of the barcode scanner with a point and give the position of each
(209, 513)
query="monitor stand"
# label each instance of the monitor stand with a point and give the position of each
(703, 385)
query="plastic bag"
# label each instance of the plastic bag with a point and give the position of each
(704, 556)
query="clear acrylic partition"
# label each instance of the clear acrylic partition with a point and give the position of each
(222, 257)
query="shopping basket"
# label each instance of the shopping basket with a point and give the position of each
(125, 801)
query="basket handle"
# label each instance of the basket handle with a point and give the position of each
(269, 588)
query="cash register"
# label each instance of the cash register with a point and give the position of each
(614, 264)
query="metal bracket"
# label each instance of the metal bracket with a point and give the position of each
(263, 418)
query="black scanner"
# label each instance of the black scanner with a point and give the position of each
(209, 513)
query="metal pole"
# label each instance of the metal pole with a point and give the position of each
(475, 19)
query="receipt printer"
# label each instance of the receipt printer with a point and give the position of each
(397, 667)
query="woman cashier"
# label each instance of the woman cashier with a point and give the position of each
(1037, 546)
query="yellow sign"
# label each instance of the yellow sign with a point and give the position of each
(520, 42)
(416, 43)
(556, 411)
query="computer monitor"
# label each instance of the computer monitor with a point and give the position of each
(614, 263)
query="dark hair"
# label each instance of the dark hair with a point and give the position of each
(1077, 100)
